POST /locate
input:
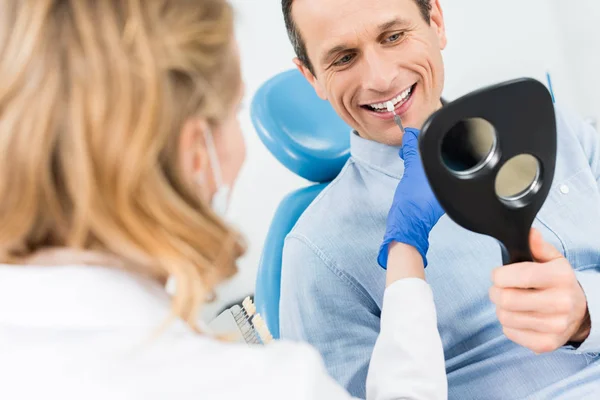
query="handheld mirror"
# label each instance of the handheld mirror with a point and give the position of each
(490, 158)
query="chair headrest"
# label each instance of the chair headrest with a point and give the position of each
(302, 131)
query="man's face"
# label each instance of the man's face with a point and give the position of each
(368, 52)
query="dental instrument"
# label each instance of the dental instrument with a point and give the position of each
(390, 108)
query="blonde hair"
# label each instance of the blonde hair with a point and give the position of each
(93, 96)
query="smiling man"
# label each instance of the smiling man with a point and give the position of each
(521, 331)
(360, 55)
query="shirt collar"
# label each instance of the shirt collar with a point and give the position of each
(379, 156)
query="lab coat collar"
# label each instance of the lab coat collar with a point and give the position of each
(79, 297)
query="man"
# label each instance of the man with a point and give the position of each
(525, 330)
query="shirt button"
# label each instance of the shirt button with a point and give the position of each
(564, 189)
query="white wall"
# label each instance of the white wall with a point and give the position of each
(577, 24)
(489, 41)
(492, 41)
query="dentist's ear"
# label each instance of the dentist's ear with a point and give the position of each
(311, 78)
(193, 155)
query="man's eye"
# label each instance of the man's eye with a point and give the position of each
(394, 38)
(344, 60)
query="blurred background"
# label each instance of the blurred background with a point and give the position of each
(488, 42)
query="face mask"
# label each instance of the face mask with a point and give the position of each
(220, 200)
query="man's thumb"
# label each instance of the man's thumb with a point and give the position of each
(541, 250)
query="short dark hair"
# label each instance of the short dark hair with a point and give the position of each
(300, 46)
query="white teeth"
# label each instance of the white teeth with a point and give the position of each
(395, 101)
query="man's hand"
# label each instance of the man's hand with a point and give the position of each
(541, 305)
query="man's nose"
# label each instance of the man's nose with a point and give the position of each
(379, 72)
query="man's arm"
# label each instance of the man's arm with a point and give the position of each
(323, 306)
(588, 138)
(564, 309)
(589, 279)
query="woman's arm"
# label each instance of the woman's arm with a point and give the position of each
(404, 261)
(408, 358)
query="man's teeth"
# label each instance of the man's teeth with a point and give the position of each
(397, 100)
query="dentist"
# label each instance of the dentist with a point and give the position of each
(119, 143)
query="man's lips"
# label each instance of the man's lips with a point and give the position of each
(382, 104)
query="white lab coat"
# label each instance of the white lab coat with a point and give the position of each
(84, 332)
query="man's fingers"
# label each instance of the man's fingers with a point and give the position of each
(541, 250)
(532, 321)
(548, 271)
(534, 341)
(531, 275)
(531, 300)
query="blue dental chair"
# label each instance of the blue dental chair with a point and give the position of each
(305, 134)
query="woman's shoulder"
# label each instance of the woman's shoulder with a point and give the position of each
(231, 370)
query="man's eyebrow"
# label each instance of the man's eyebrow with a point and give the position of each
(392, 23)
(333, 51)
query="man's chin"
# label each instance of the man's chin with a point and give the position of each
(390, 136)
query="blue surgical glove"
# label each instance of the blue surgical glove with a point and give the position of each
(415, 210)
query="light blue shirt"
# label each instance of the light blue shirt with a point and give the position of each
(332, 286)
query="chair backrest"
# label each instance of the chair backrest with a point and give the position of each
(302, 131)
(305, 134)
(267, 292)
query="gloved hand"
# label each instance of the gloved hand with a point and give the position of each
(415, 210)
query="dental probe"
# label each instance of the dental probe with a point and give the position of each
(390, 108)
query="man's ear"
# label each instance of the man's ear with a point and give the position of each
(437, 22)
(311, 78)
